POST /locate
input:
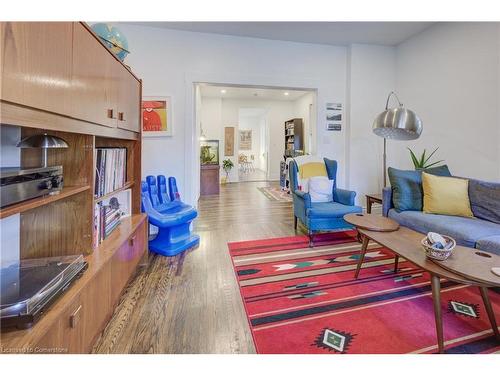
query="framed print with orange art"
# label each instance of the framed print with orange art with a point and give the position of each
(156, 116)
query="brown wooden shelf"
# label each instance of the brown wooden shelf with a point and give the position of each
(127, 185)
(41, 201)
(97, 261)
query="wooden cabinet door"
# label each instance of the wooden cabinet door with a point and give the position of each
(94, 84)
(96, 301)
(128, 101)
(125, 261)
(71, 327)
(36, 64)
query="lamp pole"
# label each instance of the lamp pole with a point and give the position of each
(396, 123)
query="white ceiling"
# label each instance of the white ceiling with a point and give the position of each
(333, 33)
(237, 92)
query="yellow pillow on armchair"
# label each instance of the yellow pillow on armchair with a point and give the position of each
(446, 195)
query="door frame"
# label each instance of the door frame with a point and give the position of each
(192, 131)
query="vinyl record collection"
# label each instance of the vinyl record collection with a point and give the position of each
(111, 168)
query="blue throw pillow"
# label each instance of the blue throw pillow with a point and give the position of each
(407, 194)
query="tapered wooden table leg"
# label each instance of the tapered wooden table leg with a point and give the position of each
(436, 298)
(489, 310)
(362, 255)
(396, 261)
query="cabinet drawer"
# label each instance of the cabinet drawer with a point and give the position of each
(125, 261)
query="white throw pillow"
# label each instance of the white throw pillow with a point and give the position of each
(321, 189)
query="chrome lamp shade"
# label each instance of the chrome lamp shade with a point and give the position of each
(43, 141)
(398, 123)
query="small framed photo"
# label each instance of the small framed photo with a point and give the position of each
(157, 116)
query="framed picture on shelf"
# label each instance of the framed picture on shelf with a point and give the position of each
(157, 116)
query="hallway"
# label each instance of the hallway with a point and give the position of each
(191, 303)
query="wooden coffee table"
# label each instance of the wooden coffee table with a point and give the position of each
(465, 266)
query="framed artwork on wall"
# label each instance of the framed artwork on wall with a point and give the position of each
(245, 139)
(157, 116)
(229, 141)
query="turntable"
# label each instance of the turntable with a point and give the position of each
(30, 286)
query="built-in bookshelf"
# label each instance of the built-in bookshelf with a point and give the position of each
(294, 137)
(108, 116)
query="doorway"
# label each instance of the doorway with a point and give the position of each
(248, 125)
(253, 146)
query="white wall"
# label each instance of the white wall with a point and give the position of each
(169, 62)
(449, 75)
(371, 78)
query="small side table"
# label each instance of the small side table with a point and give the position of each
(370, 199)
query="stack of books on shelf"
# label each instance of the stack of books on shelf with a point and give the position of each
(107, 218)
(111, 168)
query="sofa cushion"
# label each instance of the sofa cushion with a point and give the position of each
(485, 200)
(407, 186)
(466, 231)
(330, 210)
(446, 195)
(490, 244)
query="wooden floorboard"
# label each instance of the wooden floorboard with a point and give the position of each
(191, 303)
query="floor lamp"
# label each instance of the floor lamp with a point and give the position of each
(397, 123)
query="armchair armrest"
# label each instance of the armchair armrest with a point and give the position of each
(344, 196)
(386, 200)
(304, 196)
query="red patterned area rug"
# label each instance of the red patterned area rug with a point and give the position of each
(303, 300)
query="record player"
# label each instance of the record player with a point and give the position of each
(30, 286)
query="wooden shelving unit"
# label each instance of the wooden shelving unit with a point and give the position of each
(63, 224)
(41, 201)
(294, 137)
(128, 185)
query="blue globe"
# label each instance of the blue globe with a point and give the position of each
(113, 38)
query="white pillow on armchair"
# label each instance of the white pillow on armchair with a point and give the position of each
(321, 189)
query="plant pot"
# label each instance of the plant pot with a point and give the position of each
(223, 180)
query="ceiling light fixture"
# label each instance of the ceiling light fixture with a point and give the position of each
(286, 93)
(222, 91)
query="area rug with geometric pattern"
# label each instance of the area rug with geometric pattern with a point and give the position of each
(306, 300)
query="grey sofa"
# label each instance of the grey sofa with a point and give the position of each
(481, 232)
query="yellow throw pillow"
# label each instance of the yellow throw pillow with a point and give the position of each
(446, 195)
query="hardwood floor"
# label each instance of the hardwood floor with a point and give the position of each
(191, 303)
(255, 175)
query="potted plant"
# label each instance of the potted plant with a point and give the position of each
(227, 165)
(423, 162)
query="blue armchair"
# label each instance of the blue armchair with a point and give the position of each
(328, 216)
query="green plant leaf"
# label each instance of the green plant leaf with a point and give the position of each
(436, 162)
(413, 158)
(422, 158)
(430, 156)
